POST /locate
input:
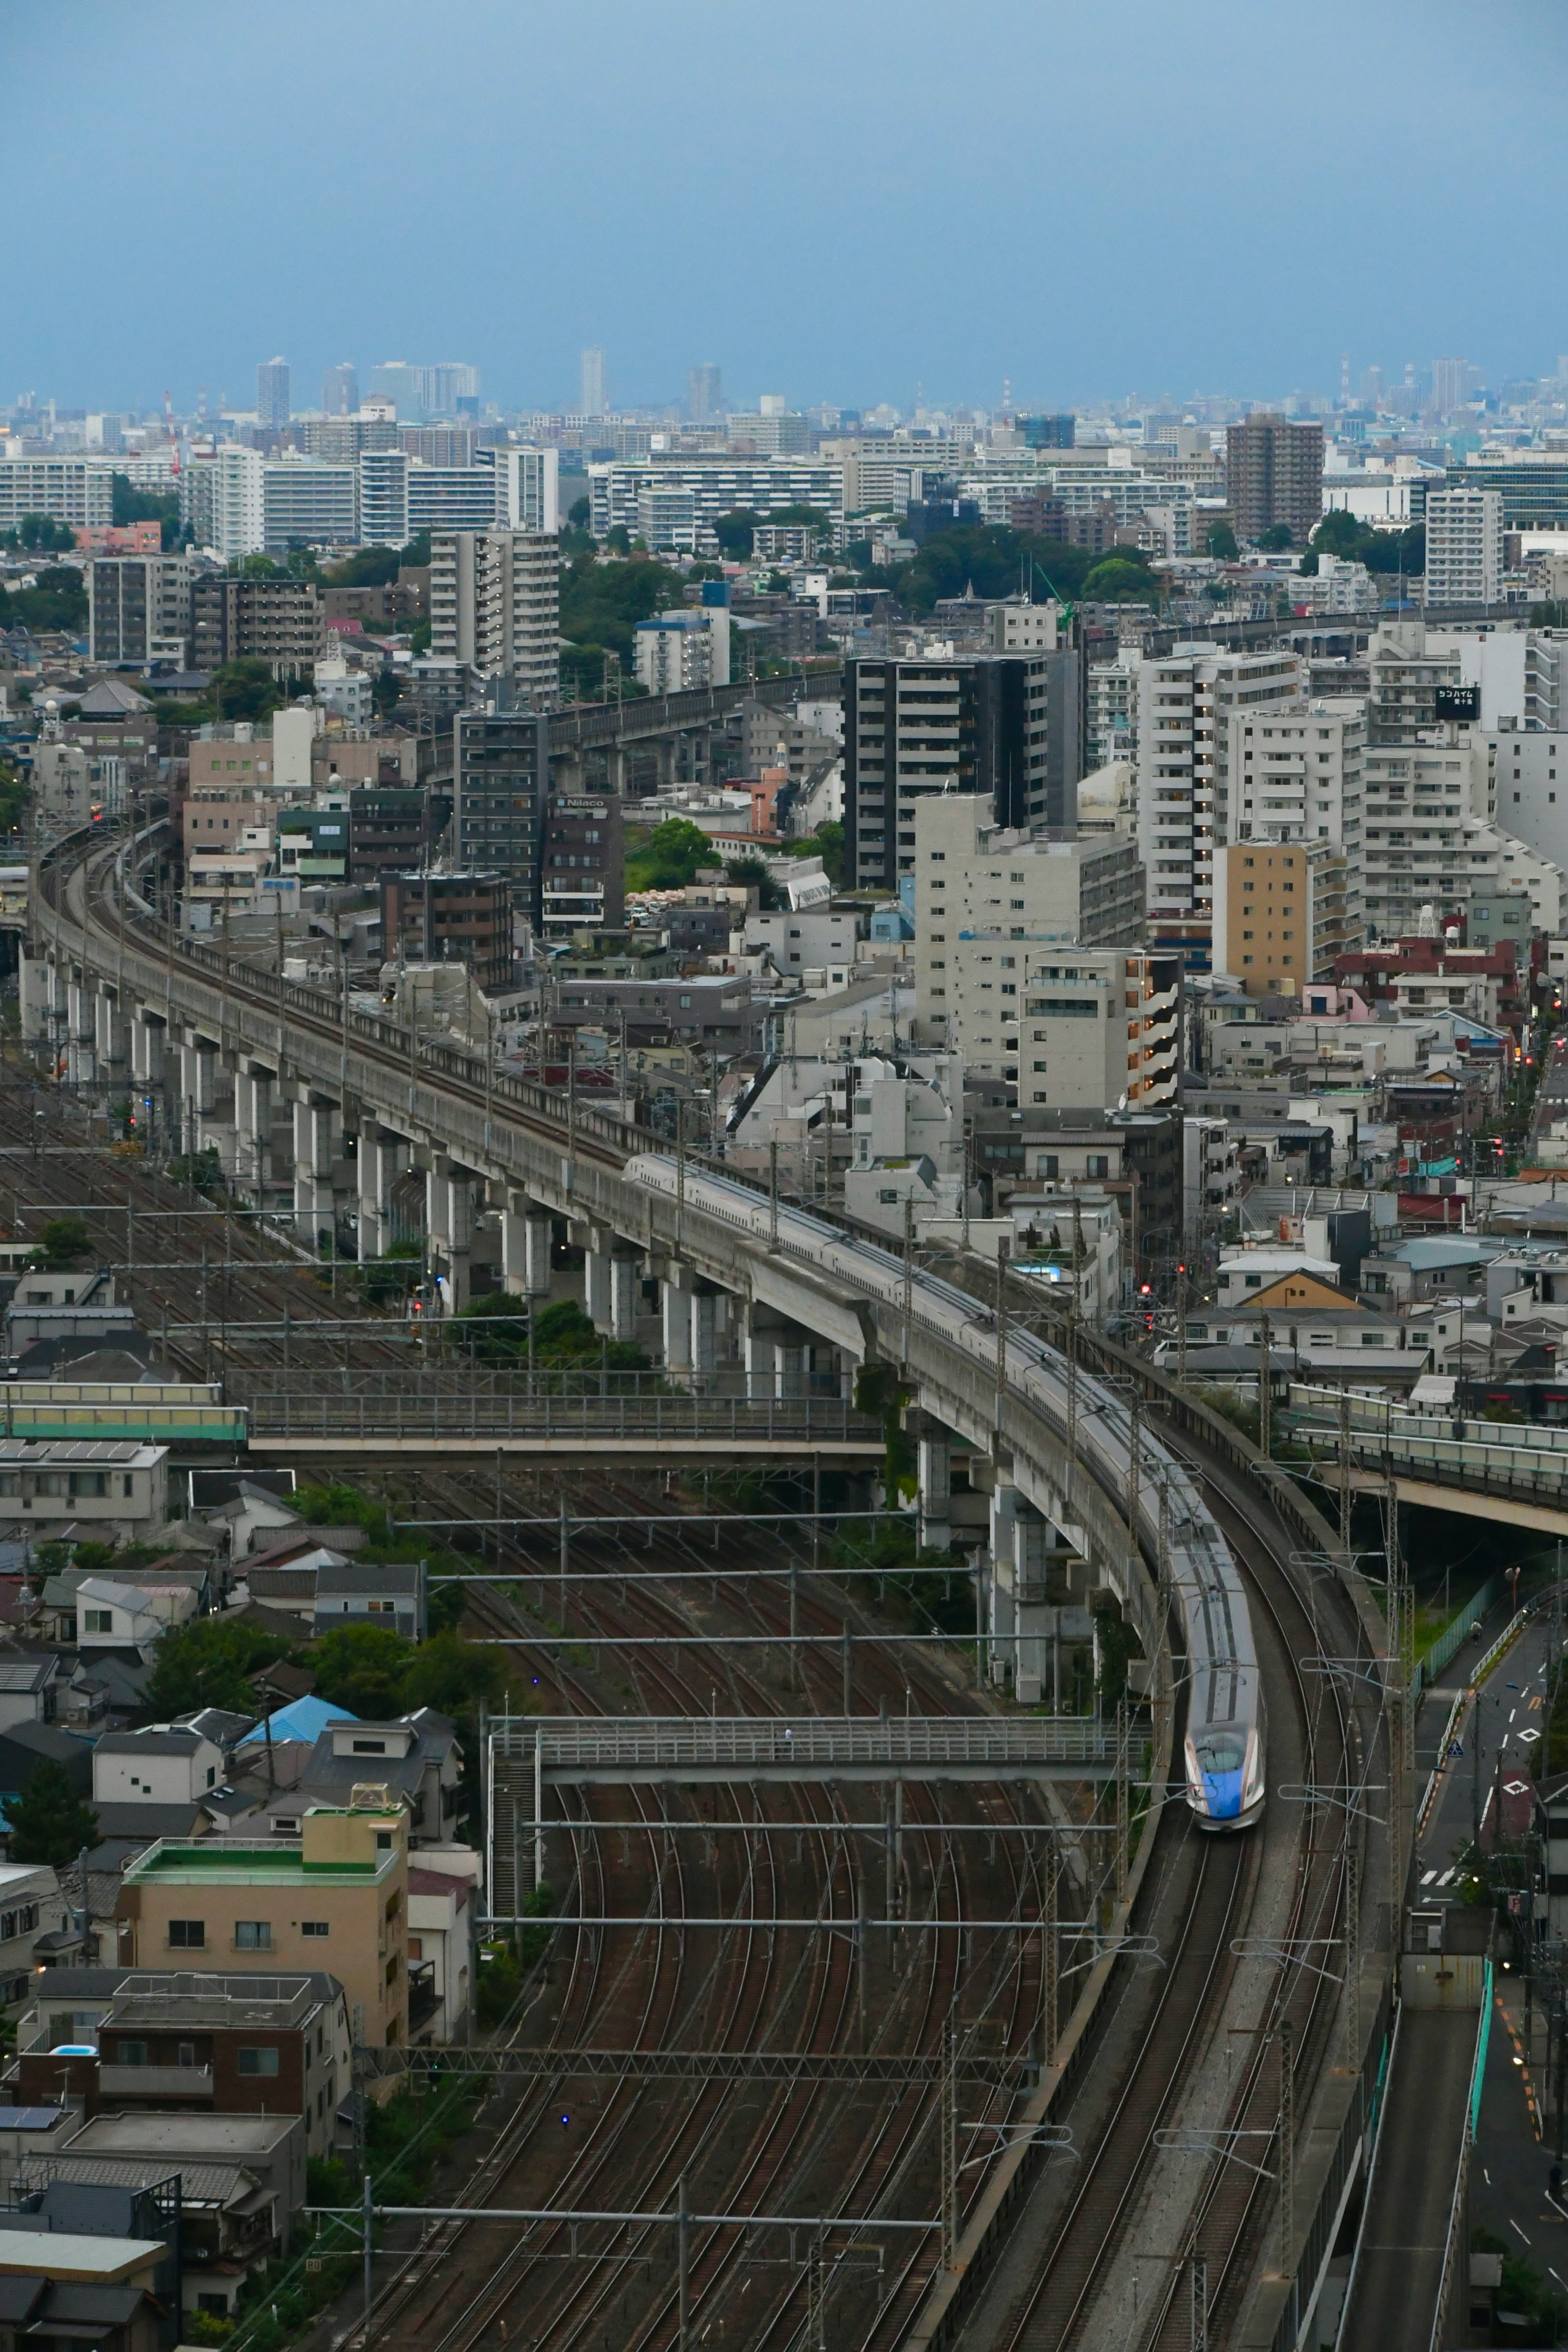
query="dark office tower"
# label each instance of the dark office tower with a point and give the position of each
(340, 390)
(500, 786)
(705, 393)
(272, 392)
(1049, 432)
(1274, 474)
(1007, 724)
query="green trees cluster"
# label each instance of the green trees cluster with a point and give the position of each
(601, 605)
(563, 1338)
(57, 601)
(1381, 550)
(673, 855)
(997, 561)
(47, 1821)
(41, 531)
(131, 505)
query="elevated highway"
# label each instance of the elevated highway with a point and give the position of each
(370, 1105)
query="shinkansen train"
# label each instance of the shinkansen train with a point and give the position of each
(1225, 1748)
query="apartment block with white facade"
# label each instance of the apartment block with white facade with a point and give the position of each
(495, 601)
(677, 652)
(78, 491)
(718, 486)
(1296, 772)
(1062, 1024)
(1428, 840)
(1113, 725)
(1464, 547)
(1187, 700)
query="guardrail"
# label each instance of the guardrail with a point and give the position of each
(278, 1413)
(1457, 2242)
(566, 1744)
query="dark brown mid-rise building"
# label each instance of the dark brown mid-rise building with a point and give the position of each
(277, 621)
(465, 919)
(1274, 474)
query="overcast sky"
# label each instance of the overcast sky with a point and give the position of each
(832, 200)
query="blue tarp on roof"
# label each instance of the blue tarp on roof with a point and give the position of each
(303, 1720)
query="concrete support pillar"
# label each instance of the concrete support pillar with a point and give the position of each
(1004, 1625)
(449, 1221)
(147, 1051)
(704, 1350)
(596, 1282)
(675, 1305)
(253, 1130)
(35, 976)
(108, 1030)
(625, 1276)
(381, 1159)
(935, 1460)
(198, 1076)
(79, 1009)
(790, 1361)
(315, 1151)
(526, 1236)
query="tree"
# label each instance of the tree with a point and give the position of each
(452, 1676)
(57, 601)
(1340, 533)
(676, 852)
(1119, 580)
(42, 531)
(211, 1661)
(246, 688)
(502, 1333)
(752, 875)
(733, 532)
(1275, 539)
(578, 512)
(1221, 542)
(131, 505)
(65, 1242)
(361, 1667)
(47, 1820)
(826, 843)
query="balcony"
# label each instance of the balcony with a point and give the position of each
(155, 2082)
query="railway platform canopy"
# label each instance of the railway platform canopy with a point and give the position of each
(582, 1752)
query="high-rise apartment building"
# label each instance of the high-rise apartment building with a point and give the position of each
(450, 498)
(272, 392)
(1295, 772)
(340, 390)
(1409, 681)
(306, 503)
(677, 652)
(1006, 725)
(1185, 703)
(595, 403)
(527, 487)
(1464, 547)
(384, 498)
(495, 606)
(139, 610)
(705, 393)
(1274, 474)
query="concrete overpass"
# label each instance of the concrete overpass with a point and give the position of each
(1512, 1472)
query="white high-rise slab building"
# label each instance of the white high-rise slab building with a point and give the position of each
(593, 400)
(1464, 547)
(1187, 700)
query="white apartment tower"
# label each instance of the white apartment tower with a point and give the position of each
(1464, 547)
(1187, 700)
(495, 604)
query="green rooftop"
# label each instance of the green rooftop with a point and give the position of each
(246, 1866)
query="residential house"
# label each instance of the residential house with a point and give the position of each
(31, 1905)
(416, 1758)
(389, 1593)
(163, 1764)
(336, 1897)
(28, 1681)
(441, 1927)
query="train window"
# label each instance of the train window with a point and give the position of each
(1219, 1751)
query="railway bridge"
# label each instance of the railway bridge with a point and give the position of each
(372, 1105)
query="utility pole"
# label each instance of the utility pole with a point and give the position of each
(1344, 1466)
(1002, 1254)
(1265, 1391)
(950, 2148)
(909, 1271)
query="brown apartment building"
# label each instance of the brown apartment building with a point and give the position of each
(1274, 473)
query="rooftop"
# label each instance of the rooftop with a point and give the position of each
(229, 1861)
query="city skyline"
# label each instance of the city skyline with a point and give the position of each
(921, 229)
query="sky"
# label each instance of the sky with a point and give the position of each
(832, 201)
